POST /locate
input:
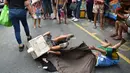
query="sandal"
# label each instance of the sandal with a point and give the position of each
(117, 38)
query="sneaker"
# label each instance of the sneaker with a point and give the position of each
(21, 48)
(73, 18)
(29, 38)
(89, 20)
(92, 21)
(76, 20)
(64, 45)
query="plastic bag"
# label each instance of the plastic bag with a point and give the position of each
(4, 17)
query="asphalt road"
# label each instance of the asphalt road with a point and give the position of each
(13, 61)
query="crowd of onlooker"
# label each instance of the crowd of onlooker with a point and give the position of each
(94, 8)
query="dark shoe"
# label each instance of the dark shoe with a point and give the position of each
(21, 48)
(64, 45)
(113, 35)
(29, 38)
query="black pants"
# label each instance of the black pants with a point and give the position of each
(69, 11)
(89, 11)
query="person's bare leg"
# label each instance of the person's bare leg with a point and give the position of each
(39, 22)
(65, 18)
(119, 37)
(59, 22)
(55, 12)
(122, 27)
(116, 46)
(55, 52)
(34, 23)
(117, 28)
(55, 48)
(62, 37)
(47, 33)
(101, 21)
(95, 19)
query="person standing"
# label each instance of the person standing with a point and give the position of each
(69, 11)
(47, 8)
(54, 8)
(37, 8)
(98, 6)
(89, 9)
(17, 13)
(77, 10)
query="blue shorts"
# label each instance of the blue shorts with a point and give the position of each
(105, 61)
(38, 14)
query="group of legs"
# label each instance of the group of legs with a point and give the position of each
(120, 28)
(58, 43)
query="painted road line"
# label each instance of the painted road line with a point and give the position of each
(121, 55)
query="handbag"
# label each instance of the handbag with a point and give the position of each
(73, 6)
(4, 17)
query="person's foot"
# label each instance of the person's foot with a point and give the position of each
(59, 22)
(123, 41)
(65, 22)
(101, 28)
(39, 26)
(47, 33)
(69, 37)
(34, 26)
(106, 40)
(73, 18)
(76, 19)
(95, 27)
(118, 38)
(21, 47)
(64, 45)
(29, 38)
(113, 35)
(92, 21)
(89, 20)
(54, 18)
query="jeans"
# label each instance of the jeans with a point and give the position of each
(77, 10)
(17, 15)
(89, 11)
